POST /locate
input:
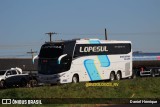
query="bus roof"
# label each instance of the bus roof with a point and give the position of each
(88, 41)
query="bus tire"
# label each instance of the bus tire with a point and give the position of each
(112, 76)
(118, 75)
(75, 78)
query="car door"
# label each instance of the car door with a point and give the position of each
(11, 77)
(8, 80)
(14, 78)
(8, 74)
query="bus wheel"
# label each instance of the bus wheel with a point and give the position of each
(112, 76)
(75, 79)
(118, 76)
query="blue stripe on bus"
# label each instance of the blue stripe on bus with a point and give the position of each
(90, 65)
(94, 41)
(91, 69)
(104, 60)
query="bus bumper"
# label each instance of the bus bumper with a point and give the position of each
(48, 80)
(53, 79)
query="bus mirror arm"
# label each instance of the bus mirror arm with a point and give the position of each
(60, 57)
(35, 57)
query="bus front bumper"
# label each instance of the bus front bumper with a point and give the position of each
(48, 80)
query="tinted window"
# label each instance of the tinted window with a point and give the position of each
(9, 72)
(54, 50)
(51, 51)
(102, 49)
(69, 48)
(14, 72)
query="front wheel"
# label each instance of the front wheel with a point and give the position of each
(75, 79)
(2, 84)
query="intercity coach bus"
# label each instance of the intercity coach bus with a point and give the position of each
(80, 60)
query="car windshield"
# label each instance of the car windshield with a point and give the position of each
(2, 72)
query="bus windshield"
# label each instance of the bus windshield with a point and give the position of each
(48, 62)
(51, 51)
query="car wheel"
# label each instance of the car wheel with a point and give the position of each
(2, 84)
(33, 83)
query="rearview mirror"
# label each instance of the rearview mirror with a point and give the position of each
(60, 57)
(35, 57)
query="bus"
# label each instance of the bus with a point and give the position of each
(81, 60)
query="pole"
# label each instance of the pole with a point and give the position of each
(106, 34)
(50, 35)
(32, 52)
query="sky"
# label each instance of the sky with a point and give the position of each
(23, 23)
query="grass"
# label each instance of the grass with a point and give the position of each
(134, 88)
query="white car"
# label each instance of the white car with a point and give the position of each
(12, 77)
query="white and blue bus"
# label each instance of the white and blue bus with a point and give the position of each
(84, 60)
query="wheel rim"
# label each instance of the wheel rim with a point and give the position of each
(153, 75)
(75, 80)
(33, 83)
(118, 76)
(112, 77)
(2, 83)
